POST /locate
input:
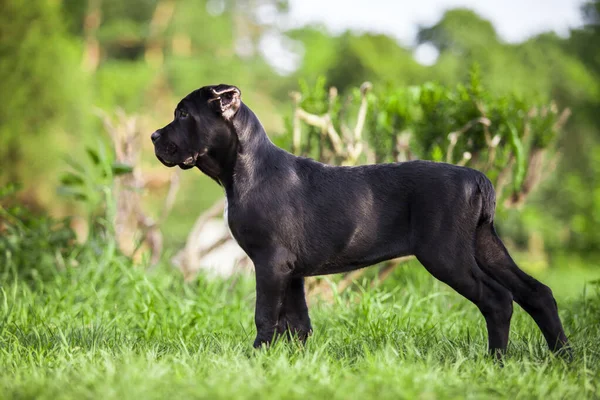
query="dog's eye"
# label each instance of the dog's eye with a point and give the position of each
(183, 114)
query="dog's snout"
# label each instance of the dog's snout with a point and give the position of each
(155, 136)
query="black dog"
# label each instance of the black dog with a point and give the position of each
(296, 217)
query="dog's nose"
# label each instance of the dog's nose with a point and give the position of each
(155, 136)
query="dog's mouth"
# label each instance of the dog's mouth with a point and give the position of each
(165, 162)
(188, 163)
(191, 160)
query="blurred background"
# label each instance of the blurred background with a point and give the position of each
(79, 78)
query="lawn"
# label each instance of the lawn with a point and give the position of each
(108, 330)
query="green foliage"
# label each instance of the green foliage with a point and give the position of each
(87, 181)
(123, 84)
(91, 183)
(42, 84)
(315, 98)
(318, 100)
(82, 321)
(461, 32)
(577, 201)
(350, 59)
(393, 112)
(108, 330)
(466, 124)
(584, 41)
(48, 99)
(32, 247)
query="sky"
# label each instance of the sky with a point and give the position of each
(514, 20)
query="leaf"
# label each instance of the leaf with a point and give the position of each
(437, 154)
(69, 191)
(71, 179)
(121, 169)
(93, 154)
(9, 190)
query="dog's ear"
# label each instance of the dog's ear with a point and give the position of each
(229, 99)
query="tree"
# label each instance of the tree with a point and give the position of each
(41, 84)
(350, 59)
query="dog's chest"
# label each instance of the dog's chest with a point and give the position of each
(250, 227)
(226, 219)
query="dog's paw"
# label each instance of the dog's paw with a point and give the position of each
(565, 353)
(294, 329)
(259, 343)
(265, 341)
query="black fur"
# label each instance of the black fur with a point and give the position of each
(296, 217)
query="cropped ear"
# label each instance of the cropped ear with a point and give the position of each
(228, 98)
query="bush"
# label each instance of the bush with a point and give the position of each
(33, 247)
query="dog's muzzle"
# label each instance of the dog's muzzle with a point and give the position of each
(165, 151)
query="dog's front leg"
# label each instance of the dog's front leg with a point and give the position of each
(271, 283)
(294, 319)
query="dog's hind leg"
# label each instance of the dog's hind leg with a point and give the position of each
(535, 298)
(453, 262)
(294, 318)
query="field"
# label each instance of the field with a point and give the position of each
(112, 331)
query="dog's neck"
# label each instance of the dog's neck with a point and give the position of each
(253, 151)
(249, 131)
(218, 165)
(234, 168)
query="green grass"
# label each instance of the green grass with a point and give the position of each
(108, 330)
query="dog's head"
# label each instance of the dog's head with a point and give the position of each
(202, 125)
